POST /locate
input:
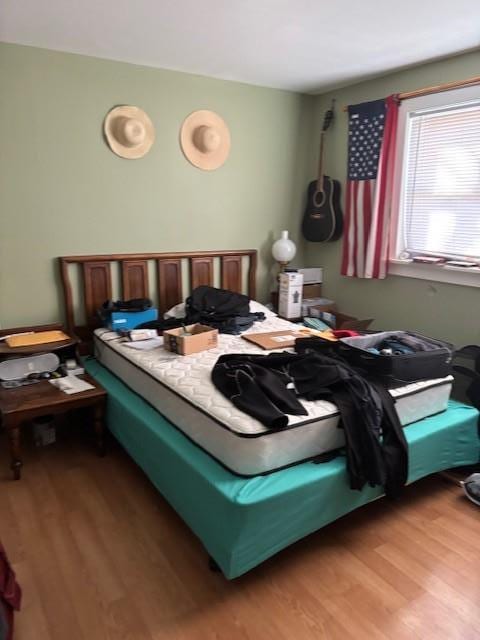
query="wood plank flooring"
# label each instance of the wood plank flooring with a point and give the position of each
(101, 555)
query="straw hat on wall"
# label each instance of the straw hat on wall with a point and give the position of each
(129, 132)
(205, 140)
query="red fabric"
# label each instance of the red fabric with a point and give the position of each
(368, 199)
(345, 333)
(7, 613)
(10, 592)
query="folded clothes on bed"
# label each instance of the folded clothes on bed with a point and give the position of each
(405, 343)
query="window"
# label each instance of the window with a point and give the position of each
(437, 191)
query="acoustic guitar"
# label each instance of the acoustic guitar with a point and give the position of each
(323, 220)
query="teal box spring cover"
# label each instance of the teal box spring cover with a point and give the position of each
(243, 521)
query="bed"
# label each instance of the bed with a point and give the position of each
(240, 519)
(180, 388)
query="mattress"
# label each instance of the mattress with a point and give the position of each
(180, 388)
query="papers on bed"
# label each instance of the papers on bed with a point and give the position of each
(138, 345)
(145, 345)
(270, 340)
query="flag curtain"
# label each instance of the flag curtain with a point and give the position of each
(372, 134)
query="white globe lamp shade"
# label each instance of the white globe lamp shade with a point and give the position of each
(283, 249)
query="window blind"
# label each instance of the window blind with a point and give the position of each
(441, 187)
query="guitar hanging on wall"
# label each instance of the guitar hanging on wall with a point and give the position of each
(323, 220)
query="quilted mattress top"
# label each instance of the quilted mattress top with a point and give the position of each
(190, 377)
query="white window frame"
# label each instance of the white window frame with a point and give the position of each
(408, 268)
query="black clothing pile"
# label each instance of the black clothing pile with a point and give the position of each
(227, 311)
(470, 355)
(266, 387)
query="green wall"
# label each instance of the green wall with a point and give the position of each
(62, 191)
(443, 310)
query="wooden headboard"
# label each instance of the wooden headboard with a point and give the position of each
(174, 275)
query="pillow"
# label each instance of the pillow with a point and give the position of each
(178, 311)
(258, 307)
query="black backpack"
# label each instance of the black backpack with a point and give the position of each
(470, 353)
(218, 304)
(227, 311)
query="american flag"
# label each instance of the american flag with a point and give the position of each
(371, 153)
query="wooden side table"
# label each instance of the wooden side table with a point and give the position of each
(40, 399)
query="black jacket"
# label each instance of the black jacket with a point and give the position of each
(266, 387)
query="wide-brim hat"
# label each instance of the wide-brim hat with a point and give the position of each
(205, 139)
(129, 131)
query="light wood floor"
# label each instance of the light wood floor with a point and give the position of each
(101, 555)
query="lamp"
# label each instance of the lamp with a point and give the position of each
(284, 250)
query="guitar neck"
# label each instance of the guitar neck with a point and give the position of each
(320, 163)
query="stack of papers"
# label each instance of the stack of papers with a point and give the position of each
(145, 345)
(71, 384)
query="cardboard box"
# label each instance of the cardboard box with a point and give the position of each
(325, 312)
(338, 320)
(312, 275)
(312, 291)
(344, 321)
(198, 337)
(317, 304)
(290, 294)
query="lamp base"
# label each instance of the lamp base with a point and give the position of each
(283, 266)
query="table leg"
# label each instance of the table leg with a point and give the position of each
(14, 442)
(99, 424)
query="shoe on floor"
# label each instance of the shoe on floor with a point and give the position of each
(471, 486)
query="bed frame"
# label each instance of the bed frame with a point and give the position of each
(243, 521)
(172, 271)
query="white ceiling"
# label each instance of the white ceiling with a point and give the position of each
(302, 45)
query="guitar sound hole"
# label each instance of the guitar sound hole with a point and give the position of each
(319, 198)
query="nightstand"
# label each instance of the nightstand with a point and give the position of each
(20, 404)
(42, 398)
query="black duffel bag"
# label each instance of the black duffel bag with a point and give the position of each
(402, 356)
(225, 310)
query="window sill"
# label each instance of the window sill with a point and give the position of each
(435, 272)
